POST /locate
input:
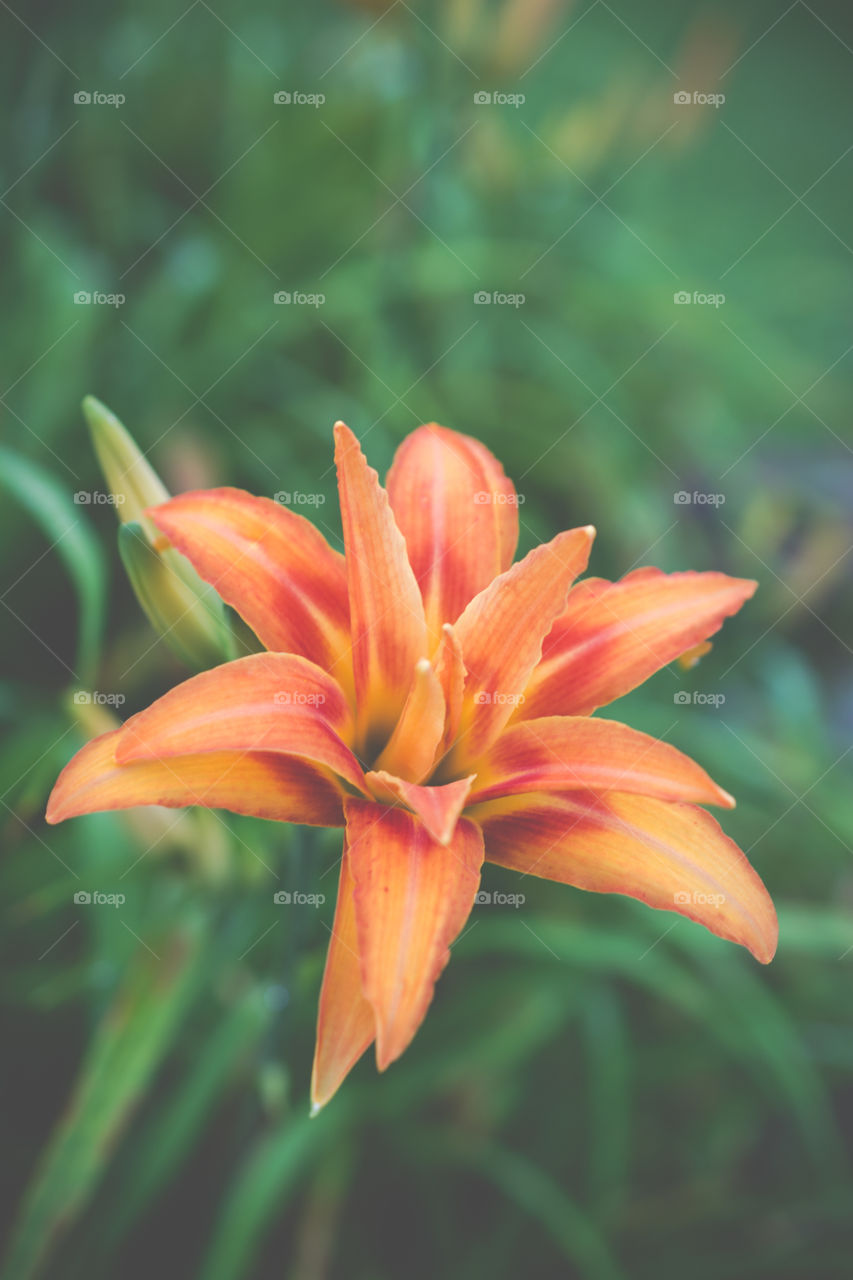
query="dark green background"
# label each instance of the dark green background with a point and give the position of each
(599, 1090)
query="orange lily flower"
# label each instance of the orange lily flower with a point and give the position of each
(434, 699)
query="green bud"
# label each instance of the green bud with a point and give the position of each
(181, 607)
(130, 478)
(187, 613)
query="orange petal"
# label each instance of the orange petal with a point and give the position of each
(614, 635)
(458, 513)
(386, 610)
(437, 807)
(450, 669)
(345, 1022)
(562, 753)
(269, 564)
(266, 702)
(262, 784)
(670, 856)
(412, 746)
(501, 634)
(412, 897)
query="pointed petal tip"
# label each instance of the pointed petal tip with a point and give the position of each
(385, 1056)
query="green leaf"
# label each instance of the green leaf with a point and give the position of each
(129, 1044)
(66, 527)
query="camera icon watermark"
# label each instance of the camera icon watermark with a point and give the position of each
(299, 499)
(83, 898)
(486, 698)
(683, 498)
(286, 898)
(98, 498)
(291, 698)
(494, 297)
(83, 98)
(84, 298)
(497, 98)
(483, 499)
(698, 898)
(282, 298)
(696, 699)
(683, 298)
(488, 898)
(96, 698)
(696, 98)
(295, 98)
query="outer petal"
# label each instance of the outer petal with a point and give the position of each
(345, 1022)
(437, 807)
(564, 753)
(501, 634)
(260, 783)
(412, 897)
(614, 635)
(386, 610)
(458, 513)
(271, 565)
(671, 856)
(266, 702)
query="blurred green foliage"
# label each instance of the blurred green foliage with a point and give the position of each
(599, 1090)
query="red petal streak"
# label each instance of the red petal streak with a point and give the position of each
(560, 753)
(269, 564)
(262, 784)
(437, 807)
(614, 635)
(671, 856)
(501, 634)
(386, 610)
(412, 747)
(458, 513)
(269, 702)
(345, 1022)
(412, 898)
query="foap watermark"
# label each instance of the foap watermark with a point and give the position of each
(494, 297)
(487, 698)
(697, 699)
(683, 298)
(682, 498)
(299, 499)
(286, 898)
(696, 98)
(485, 499)
(284, 299)
(83, 98)
(98, 498)
(489, 898)
(698, 898)
(96, 698)
(296, 98)
(85, 298)
(83, 898)
(497, 98)
(287, 698)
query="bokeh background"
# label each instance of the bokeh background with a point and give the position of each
(600, 1090)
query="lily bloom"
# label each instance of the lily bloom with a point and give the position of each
(434, 699)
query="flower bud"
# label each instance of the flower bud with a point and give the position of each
(188, 615)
